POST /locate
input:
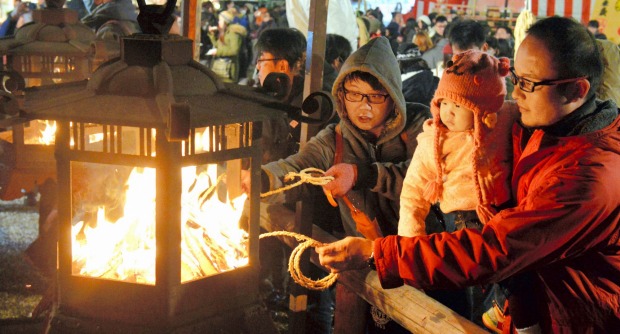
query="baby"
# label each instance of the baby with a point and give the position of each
(463, 156)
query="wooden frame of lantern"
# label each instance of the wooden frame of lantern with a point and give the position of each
(54, 48)
(112, 122)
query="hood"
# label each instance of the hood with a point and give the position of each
(377, 58)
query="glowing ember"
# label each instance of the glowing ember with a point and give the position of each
(124, 249)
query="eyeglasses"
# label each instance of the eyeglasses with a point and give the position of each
(529, 86)
(261, 60)
(371, 98)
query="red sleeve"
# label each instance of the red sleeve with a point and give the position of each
(559, 220)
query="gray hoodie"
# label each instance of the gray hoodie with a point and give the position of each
(381, 165)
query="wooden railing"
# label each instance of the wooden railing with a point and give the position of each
(408, 306)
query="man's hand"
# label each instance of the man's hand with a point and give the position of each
(246, 181)
(344, 175)
(212, 52)
(346, 254)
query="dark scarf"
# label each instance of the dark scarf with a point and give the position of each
(592, 116)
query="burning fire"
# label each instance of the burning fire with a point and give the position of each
(124, 249)
(48, 134)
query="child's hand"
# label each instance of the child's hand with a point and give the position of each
(344, 175)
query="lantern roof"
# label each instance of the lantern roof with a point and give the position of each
(155, 80)
(54, 31)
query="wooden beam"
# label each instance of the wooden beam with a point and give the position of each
(190, 26)
(304, 213)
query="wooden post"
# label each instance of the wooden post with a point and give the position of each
(190, 26)
(315, 55)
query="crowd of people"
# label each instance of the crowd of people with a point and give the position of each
(481, 171)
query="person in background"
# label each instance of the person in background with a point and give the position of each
(434, 57)
(424, 24)
(20, 15)
(610, 84)
(228, 43)
(465, 35)
(409, 30)
(82, 7)
(392, 31)
(266, 22)
(593, 28)
(441, 23)
(423, 41)
(106, 10)
(493, 47)
(242, 18)
(208, 21)
(282, 51)
(504, 49)
(419, 83)
(565, 224)
(505, 33)
(337, 50)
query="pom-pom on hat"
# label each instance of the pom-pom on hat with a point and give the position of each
(474, 80)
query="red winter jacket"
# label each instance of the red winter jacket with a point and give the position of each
(565, 227)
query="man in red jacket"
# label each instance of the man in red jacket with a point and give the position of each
(565, 225)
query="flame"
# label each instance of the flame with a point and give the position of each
(125, 249)
(48, 134)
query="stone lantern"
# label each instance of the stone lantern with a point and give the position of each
(54, 48)
(149, 153)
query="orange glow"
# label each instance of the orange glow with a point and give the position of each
(124, 249)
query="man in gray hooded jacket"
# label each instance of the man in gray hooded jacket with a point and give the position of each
(367, 152)
(376, 148)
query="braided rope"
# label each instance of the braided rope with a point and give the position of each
(293, 262)
(307, 175)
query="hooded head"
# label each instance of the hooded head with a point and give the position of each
(476, 81)
(226, 16)
(376, 58)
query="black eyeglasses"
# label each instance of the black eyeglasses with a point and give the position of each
(529, 86)
(371, 98)
(267, 59)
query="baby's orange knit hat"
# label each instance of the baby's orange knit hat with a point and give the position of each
(474, 80)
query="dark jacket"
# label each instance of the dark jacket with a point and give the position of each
(420, 87)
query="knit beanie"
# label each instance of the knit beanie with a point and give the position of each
(474, 80)
(425, 19)
(408, 51)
